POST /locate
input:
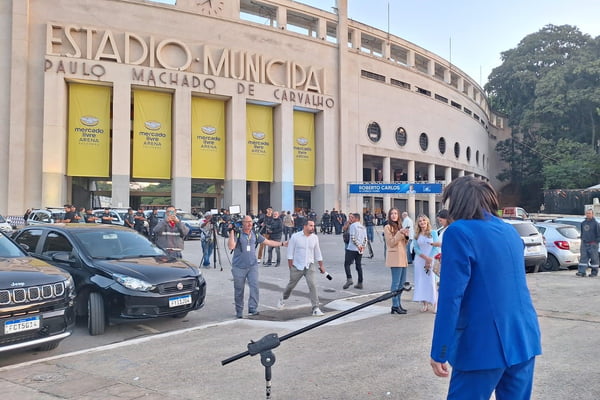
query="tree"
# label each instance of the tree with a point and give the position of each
(572, 172)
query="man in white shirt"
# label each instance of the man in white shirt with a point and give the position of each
(303, 251)
(408, 224)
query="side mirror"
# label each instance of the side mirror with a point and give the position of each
(24, 247)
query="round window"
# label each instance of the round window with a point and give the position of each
(469, 154)
(401, 136)
(456, 150)
(477, 157)
(442, 145)
(374, 132)
(423, 141)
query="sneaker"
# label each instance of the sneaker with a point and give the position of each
(317, 312)
(582, 274)
(281, 303)
(253, 312)
(358, 285)
(347, 284)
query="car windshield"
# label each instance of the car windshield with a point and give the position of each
(117, 244)
(8, 249)
(2, 220)
(526, 229)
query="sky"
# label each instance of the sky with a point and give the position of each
(470, 33)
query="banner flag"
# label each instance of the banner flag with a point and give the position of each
(208, 138)
(151, 135)
(304, 148)
(259, 143)
(88, 131)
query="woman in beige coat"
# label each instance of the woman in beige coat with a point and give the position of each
(396, 238)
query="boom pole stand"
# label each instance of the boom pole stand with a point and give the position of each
(266, 344)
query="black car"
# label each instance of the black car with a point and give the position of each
(119, 274)
(36, 301)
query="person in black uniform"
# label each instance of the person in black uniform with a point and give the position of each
(590, 237)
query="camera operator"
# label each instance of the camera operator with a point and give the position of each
(275, 231)
(207, 227)
(245, 265)
(170, 233)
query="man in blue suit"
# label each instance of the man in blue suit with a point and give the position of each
(486, 326)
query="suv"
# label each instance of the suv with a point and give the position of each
(36, 301)
(562, 242)
(117, 219)
(535, 252)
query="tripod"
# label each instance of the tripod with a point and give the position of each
(216, 253)
(265, 345)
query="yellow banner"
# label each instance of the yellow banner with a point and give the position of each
(88, 148)
(304, 148)
(151, 135)
(259, 143)
(208, 138)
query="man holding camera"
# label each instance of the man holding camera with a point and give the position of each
(245, 265)
(170, 232)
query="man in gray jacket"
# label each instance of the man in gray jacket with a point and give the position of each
(170, 232)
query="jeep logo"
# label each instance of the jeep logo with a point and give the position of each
(17, 284)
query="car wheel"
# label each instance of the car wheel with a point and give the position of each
(49, 346)
(180, 315)
(96, 321)
(551, 264)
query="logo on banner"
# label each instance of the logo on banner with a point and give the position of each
(209, 130)
(258, 135)
(89, 120)
(152, 125)
(302, 141)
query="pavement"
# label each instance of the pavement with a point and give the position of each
(367, 354)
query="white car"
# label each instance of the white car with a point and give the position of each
(562, 242)
(5, 225)
(535, 252)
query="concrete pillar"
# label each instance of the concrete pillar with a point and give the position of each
(448, 175)
(461, 172)
(410, 58)
(254, 197)
(322, 26)
(387, 200)
(121, 144)
(324, 194)
(411, 207)
(234, 192)
(282, 188)
(431, 197)
(281, 17)
(447, 77)
(181, 190)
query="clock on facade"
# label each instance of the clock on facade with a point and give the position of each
(211, 7)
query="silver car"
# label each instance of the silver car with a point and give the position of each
(562, 242)
(534, 251)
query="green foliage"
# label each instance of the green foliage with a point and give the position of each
(549, 85)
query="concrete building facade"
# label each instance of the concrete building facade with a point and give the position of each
(379, 108)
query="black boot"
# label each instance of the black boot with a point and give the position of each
(398, 310)
(401, 308)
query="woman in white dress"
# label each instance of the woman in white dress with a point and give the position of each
(426, 246)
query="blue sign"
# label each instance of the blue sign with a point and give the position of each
(394, 188)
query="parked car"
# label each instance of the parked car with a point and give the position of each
(45, 216)
(535, 252)
(514, 213)
(36, 301)
(119, 274)
(117, 219)
(562, 242)
(193, 224)
(5, 225)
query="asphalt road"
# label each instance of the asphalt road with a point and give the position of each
(368, 354)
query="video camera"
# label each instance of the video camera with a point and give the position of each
(231, 221)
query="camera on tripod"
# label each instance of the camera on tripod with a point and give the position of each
(230, 221)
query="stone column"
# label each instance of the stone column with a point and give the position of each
(387, 201)
(235, 154)
(121, 144)
(181, 191)
(282, 188)
(411, 208)
(431, 197)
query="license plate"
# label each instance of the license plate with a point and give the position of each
(534, 249)
(21, 325)
(180, 300)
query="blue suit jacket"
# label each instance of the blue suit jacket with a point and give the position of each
(485, 317)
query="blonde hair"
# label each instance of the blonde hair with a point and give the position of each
(427, 230)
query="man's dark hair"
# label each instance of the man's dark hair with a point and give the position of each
(470, 198)
(356, 216)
